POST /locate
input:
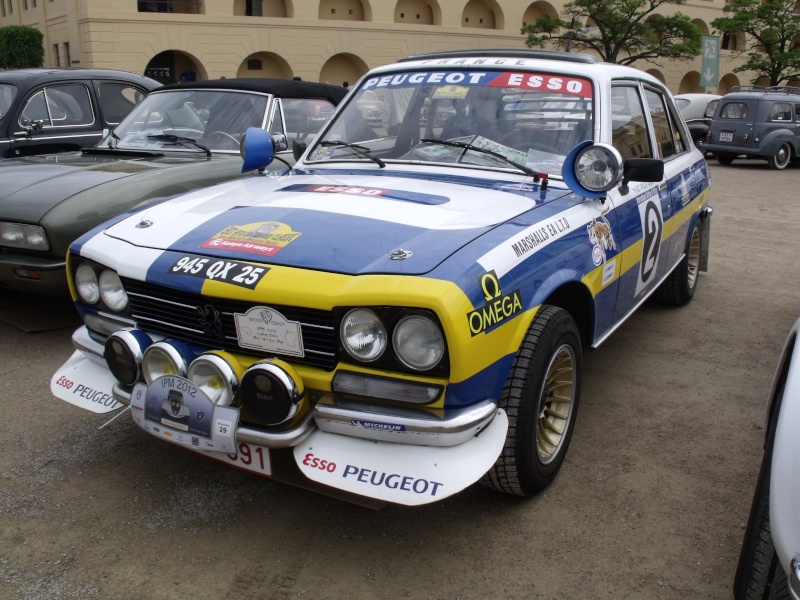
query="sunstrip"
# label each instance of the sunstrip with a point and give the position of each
(369, 192)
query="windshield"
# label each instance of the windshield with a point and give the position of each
(529, 119)
(7, 94)
(215, 119)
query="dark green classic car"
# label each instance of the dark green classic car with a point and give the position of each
(181, 137)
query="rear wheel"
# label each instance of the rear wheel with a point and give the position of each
(680, 286)
(724, 159)
(541, 399)
(782, 157)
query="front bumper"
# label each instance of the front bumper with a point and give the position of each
(33, 274)
(395, 456)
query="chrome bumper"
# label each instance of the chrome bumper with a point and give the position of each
(364, 420)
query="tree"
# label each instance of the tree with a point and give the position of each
(621, 31)
(772, 28)
(21, 47)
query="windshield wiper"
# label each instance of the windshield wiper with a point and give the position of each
(176, 139)
(360, 150)
(523, 168)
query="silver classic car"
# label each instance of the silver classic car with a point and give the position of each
(181, 137)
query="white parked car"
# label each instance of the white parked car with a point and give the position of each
(769, 564)
(403, 312)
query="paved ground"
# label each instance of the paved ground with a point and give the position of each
(651, 502)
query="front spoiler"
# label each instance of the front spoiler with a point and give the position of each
(382, 471)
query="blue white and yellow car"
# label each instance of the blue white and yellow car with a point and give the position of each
(404, 312)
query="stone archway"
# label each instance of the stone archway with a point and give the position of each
(171, 66)
(483, 14)
(538, 9)
(727, 83)
(418, 12)
(690, 84)
(658, 75)
(264, 64)
(343, 68)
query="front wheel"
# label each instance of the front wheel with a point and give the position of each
(679, 287)
(541, 398)
(782, 157)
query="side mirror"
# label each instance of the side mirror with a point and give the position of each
(298, 149)
(257, 150)
(281, 145)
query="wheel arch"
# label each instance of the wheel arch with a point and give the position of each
(574, 297)
(773, 140)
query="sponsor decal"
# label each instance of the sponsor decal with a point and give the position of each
(229, 271)
(499, 307)
(263, 328)
(601, 237)
(265, 238)
(538, 235)
(609, 272)
(507, 79)
(319, 463)
(344, 189)
(394, 481)
(92, 395)
(378, 425)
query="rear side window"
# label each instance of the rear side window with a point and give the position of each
(117, 100)
(781, 111)
(734, 110)
(668, 136)
(59, 106)
(7, 94)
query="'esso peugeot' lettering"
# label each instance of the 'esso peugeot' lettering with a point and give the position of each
(393, 481)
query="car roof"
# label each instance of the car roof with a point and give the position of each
(283, 88)
(34, 76)
(791, 94)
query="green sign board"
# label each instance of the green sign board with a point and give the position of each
(709, 73)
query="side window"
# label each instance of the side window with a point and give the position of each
(628, 125)
(797, 112)
(59, 106)
(667, 136)
(117, 100)
(734, 110)
(781, 111)
(305, 117)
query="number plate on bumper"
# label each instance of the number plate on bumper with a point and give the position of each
(174, 409)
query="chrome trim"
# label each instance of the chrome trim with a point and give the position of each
(178, 361)
(425, 429)
(705, 236)
(225, 371)
(248, 435)
(92, 348)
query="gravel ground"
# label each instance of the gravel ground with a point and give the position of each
(651, 502)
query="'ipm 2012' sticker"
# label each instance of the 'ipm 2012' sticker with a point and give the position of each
(229, 271)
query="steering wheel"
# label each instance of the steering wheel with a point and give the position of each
(224, 134)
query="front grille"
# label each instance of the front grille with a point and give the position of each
(209, 322)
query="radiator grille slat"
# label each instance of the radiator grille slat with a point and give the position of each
(210, 322)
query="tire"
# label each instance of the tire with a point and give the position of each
(782, 158)
(679, 287)
(724, 159)
(759, 574)
(540, 422)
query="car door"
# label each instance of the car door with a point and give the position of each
(645, 124)
(56, 118)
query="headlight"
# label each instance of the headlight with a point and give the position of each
(111, 291)
(215, 378)
(123, 354)
(418, 342)
(29, 237)
(160, 359)
(86, 283)
(363, 335)
(598, 167)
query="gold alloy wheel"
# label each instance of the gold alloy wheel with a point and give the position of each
(555, 403)
(693, 259)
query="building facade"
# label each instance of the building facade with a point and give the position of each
(318, 40)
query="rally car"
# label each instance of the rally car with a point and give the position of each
(404, 312)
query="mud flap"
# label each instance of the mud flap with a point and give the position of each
(83, 382)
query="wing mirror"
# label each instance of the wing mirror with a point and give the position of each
(257, 150)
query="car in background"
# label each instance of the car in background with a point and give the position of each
(697, 111)
(57, 110)
(757, 122)
(404, 312)
(769, 561)
(181, 137)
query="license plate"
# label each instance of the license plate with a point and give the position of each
(726, 136)
(250, 458)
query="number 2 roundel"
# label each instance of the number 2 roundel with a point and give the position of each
(652, 228)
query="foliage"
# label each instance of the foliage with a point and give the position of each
(620, 31)
(772, 28)
(21, 47)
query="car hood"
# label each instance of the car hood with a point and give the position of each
(350, 223)
(32, 186)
